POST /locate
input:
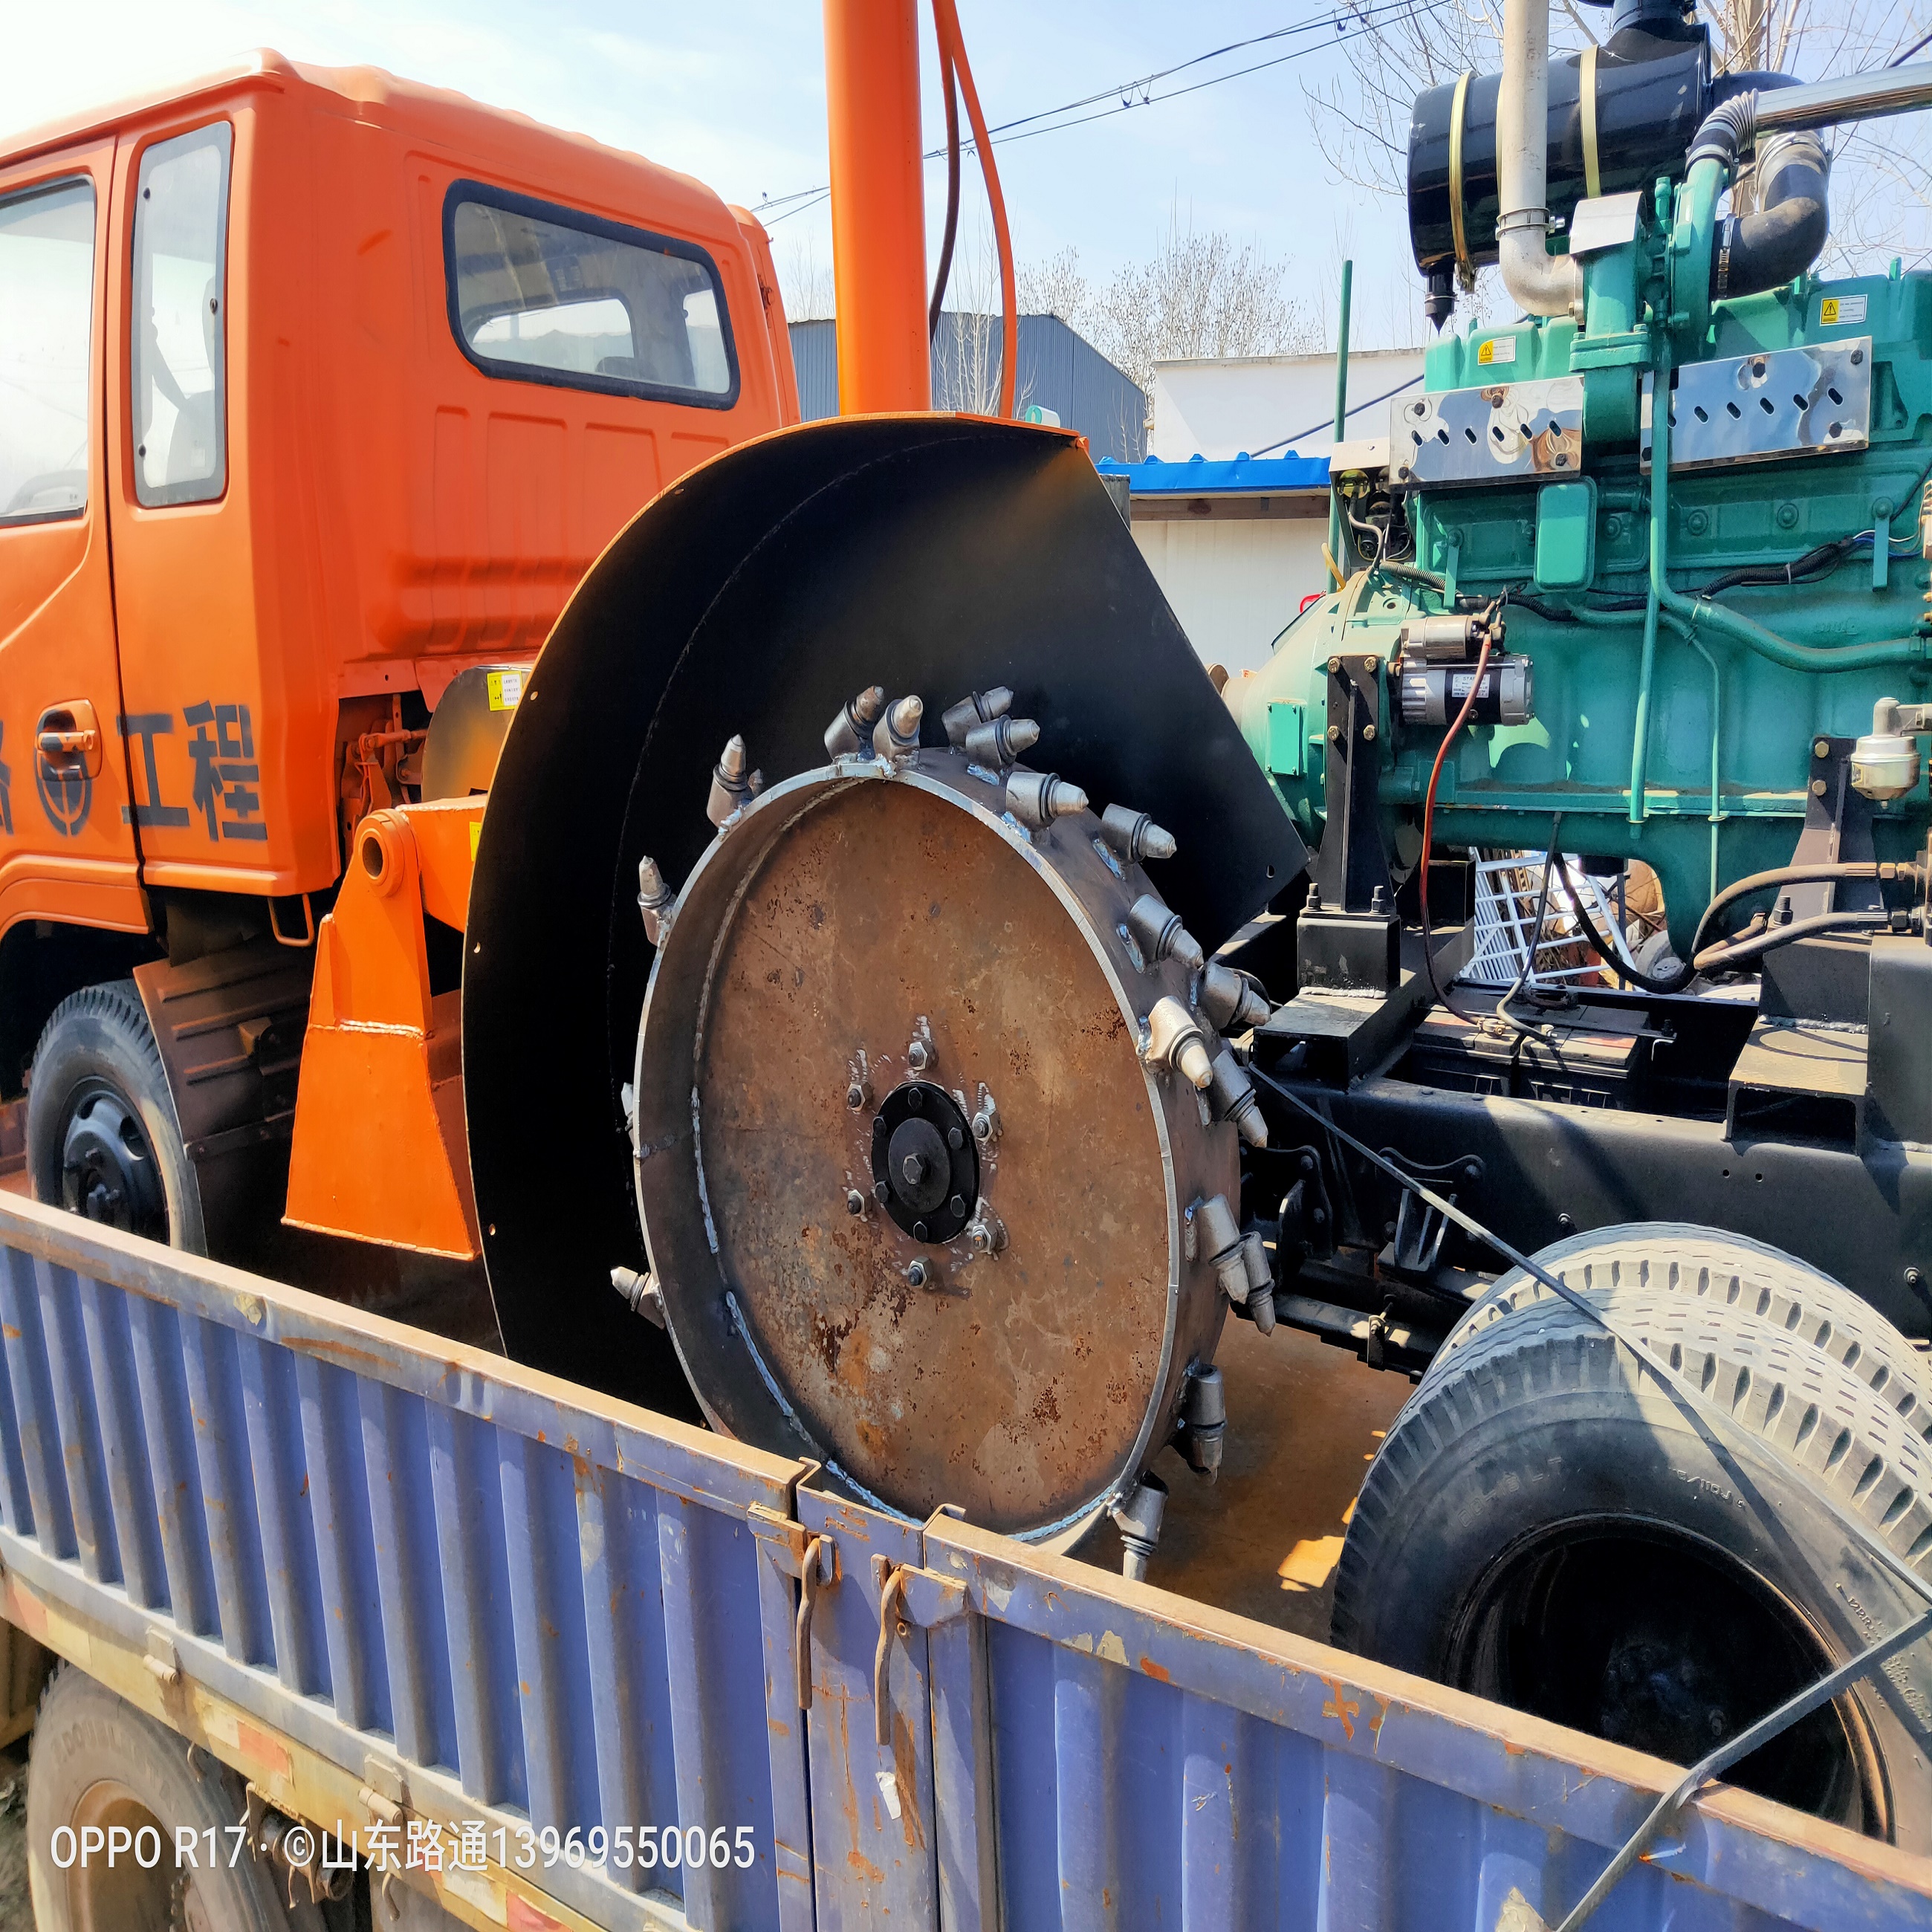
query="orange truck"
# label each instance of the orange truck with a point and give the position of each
(323, 391)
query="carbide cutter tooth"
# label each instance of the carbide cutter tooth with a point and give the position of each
(978, 707)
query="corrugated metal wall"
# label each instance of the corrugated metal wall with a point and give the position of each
(1059, 370)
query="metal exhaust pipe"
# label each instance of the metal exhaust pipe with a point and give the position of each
(1539, 283)
(1857, 97)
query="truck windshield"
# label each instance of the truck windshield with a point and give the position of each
(181, 225)
(546, 295)
(47, 315)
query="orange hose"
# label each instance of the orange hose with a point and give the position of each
(946, 25)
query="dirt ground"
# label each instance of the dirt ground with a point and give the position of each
(1263, 1539)
(17, 1913)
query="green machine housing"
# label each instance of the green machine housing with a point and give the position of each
(1697, 622)
(1654, 568)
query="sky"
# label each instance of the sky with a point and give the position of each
(734, 94)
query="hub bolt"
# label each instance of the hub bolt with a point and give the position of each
(913, 1167)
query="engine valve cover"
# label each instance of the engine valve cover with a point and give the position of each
(919, 1207)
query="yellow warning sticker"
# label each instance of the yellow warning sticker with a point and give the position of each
(476, 837)
(1834, 311)
(506, 689)
(1498, 349)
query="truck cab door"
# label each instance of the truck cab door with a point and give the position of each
(67, 838)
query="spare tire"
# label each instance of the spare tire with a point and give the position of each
(1547, 1527)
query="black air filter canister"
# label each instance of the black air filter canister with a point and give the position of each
(1645, 98)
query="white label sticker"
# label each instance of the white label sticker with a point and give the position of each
(1498, 349)
(1460, 681)
(1834, 311)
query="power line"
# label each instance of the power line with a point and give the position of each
(1349, 23)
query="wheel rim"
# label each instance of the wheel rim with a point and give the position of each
(108, 1169)
(1642, 1634)
(123, 1897)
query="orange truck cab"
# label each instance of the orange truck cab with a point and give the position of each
(323, 391)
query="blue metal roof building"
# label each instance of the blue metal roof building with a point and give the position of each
(1239, 476)
(1059, 370)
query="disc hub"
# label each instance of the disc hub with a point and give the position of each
(107, 1170)
(925, 1167)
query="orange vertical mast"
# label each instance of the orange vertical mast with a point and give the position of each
(878, 204)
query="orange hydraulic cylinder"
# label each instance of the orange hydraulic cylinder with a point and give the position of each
(878, 205)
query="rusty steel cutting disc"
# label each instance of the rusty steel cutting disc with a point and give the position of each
(866, 971)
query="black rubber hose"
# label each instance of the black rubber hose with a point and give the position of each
(1725, 132)
(1740, 951)
(1600, 946)
(1787, 234)
(1794, 875)
(949, 87)
(1757, 882)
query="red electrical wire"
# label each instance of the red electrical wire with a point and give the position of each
(946, 25)
(1428, 814)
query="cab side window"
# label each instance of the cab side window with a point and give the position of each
(46, 334)
(178, 337)
(544, 294)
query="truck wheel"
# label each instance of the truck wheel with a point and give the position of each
(1544, 1526)
(100, 1766)
(1717, 1267)
(102, 1139)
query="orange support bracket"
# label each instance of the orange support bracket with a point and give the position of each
(380, 1152)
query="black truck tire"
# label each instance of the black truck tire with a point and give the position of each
(1545, 1526)
(98, 1762)
(103, 1137)
(1717, 1267)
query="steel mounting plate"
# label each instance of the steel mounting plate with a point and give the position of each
(1501, 433)
(1778, 403)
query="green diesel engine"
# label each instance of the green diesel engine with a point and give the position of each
(1692, 612)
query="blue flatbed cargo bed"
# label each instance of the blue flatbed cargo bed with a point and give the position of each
(485, 1624)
